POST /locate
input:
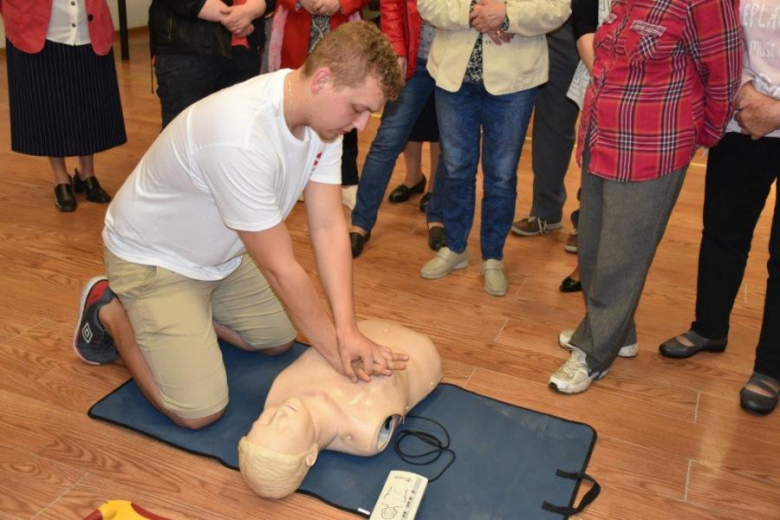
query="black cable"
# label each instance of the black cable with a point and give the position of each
(432, 455)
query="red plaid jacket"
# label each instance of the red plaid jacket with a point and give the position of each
(663, 83)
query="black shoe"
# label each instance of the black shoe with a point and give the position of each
(673, 348)
(569, 284)
(758, 403)
(424, 202)
(63, 198)
(437, 238)
(91, 188)
(357, 241)
(402, 192)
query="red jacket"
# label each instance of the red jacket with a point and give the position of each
(295, 44)
(27, 22)
(402, 24)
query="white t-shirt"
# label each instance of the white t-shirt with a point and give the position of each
(227, 163)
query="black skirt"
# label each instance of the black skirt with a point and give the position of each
(64, 101)
(426, 129)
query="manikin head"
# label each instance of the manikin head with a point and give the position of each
(352, 72)
(276, 454)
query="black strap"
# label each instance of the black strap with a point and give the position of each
(589, 497)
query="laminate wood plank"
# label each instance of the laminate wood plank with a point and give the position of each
(30, 483)
(739, 490)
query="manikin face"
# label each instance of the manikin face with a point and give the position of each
(339, 110)
(287, 428)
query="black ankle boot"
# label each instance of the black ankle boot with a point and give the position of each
(63, 198)
(91, 188)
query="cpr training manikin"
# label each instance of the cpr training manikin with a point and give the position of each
(311, 407)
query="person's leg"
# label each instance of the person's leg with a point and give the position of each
(413, 161)
(64, 199)
(162, 326)
(553, 133)
(768, 350)
(397, 122)
(349, 169)
(504, 121)
(248, 314)
(459, 116)
(59, 171)
(433, 154)
(182, 80)
(244, 65)
(633, 219)
(84, 180)
(738, 180)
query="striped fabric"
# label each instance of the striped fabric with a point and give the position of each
(64, 101)
(663, 82)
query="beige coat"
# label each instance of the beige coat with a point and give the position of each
(511, 67)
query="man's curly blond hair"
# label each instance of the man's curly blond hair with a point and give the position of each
(353, 52)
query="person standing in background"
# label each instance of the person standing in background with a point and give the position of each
(200, 47)
(298, 26)
(62, 89)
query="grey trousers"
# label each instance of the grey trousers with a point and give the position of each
(553, 134)
(621, 225)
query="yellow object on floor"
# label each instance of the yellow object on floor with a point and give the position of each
(122, 510)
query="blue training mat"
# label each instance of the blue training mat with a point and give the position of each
(511, 463)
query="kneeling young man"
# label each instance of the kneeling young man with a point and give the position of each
(205, 208)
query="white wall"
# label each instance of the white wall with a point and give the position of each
(137, 16)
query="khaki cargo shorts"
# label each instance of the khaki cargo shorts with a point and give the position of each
(173, 315)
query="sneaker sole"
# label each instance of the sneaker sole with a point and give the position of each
(524, 233)
(460, 265)
(628, 351)
(578, 389)
(84, 294)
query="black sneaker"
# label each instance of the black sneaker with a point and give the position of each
(91, 341)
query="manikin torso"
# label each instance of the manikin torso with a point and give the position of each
(363, 415)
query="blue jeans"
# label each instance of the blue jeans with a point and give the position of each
(503, 121)
(398, 120)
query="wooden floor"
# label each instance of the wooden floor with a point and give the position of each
(673, 442)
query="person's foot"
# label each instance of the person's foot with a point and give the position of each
(531, 226)
(760, 394)
(424, 201)
(571, 243)
(570, 285)
(495, 280)
(444, 263)
(357, 240)
(349, 196)
(64, 199)
(437, 237)
(91, 341)
(690, 343)
(91, 188)
(574, 376)
(402, 192)
(626, 351)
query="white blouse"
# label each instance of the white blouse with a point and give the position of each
(68, 22)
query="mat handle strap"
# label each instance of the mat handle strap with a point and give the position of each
(589, 497)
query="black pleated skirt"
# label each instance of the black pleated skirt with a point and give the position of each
(64, 101)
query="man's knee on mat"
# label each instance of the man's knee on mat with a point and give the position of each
(277, 351)
(196, 423)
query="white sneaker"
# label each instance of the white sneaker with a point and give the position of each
(349, 196)
(574, 376)
(628, 351)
